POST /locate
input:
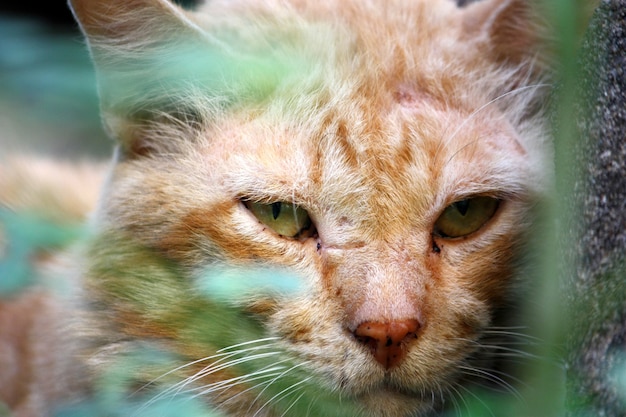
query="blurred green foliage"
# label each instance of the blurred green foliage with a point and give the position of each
(24, 238)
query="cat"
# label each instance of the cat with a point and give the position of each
(315, 207)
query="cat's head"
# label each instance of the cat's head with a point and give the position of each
(384, 156)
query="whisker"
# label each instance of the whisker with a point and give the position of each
(220, 354)
(266, 369)
(490, 376)
(500, 348)
(508, 327)
(147, 384)
(314, 400)
(278, 375)
(253, 387)
(512, 334)
(291, 405)
(472, 115)
(212, 369)
(477, 398)
(283, 393)
(441, 395)
(232, 382)
(174, 389)
(267, 339)
(490, 102)
(215, 366)
(274, 380)
(457, 406)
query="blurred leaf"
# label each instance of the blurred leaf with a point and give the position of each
(226, 284)
(25, 236)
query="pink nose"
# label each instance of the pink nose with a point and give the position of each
(388, 342)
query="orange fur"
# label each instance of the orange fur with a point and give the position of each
(373, 117)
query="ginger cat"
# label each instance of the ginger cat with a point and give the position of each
(359, 176)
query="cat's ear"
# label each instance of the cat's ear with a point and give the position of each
(513, 31)
(134, 61)
(118, 19)
(161, 75)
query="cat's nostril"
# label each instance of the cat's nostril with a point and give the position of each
(389, 341)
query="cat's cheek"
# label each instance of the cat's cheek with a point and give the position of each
(309, 330)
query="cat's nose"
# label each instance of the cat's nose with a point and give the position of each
(388, 342)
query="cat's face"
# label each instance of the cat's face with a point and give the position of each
(368, 161)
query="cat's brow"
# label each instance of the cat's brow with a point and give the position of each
(446, 141)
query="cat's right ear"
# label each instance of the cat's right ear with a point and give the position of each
(162, 76)
(106, 20)
(520, 32)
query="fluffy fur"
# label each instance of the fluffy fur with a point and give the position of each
(373, 117)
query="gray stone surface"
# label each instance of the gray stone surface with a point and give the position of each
(596, 289)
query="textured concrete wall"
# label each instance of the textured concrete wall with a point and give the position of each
(596, 287)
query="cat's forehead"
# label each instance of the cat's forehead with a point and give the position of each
(374, 114)
(354, 152)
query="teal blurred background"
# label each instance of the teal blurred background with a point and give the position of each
(48, 100)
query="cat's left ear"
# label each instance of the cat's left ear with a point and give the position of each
(512, 31)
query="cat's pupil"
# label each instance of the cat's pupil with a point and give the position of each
(276, 209)
(462, 206)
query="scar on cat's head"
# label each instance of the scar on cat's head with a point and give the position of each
(410, 97)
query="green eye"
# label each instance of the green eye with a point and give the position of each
(465, 216)
(285, 219)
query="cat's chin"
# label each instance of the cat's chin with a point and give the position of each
(391, 403)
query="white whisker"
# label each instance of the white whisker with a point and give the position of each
(232, 382)
(282, 393)
(220, 354)
(175, 387)
(277, 375)
(457, 406)
(186, 365)
(215, 366)
(267, 339)
(472, 115)
(291, 405)
(257, 375)
(311, 405)
(477, 398)
(274, 380)
(490, 376)
(213, 369)
(500, 350)
(490, 102)
(511, 334)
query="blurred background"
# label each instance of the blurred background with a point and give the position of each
(48, 98)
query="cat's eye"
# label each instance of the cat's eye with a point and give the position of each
(285, 219)
(465, 217)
